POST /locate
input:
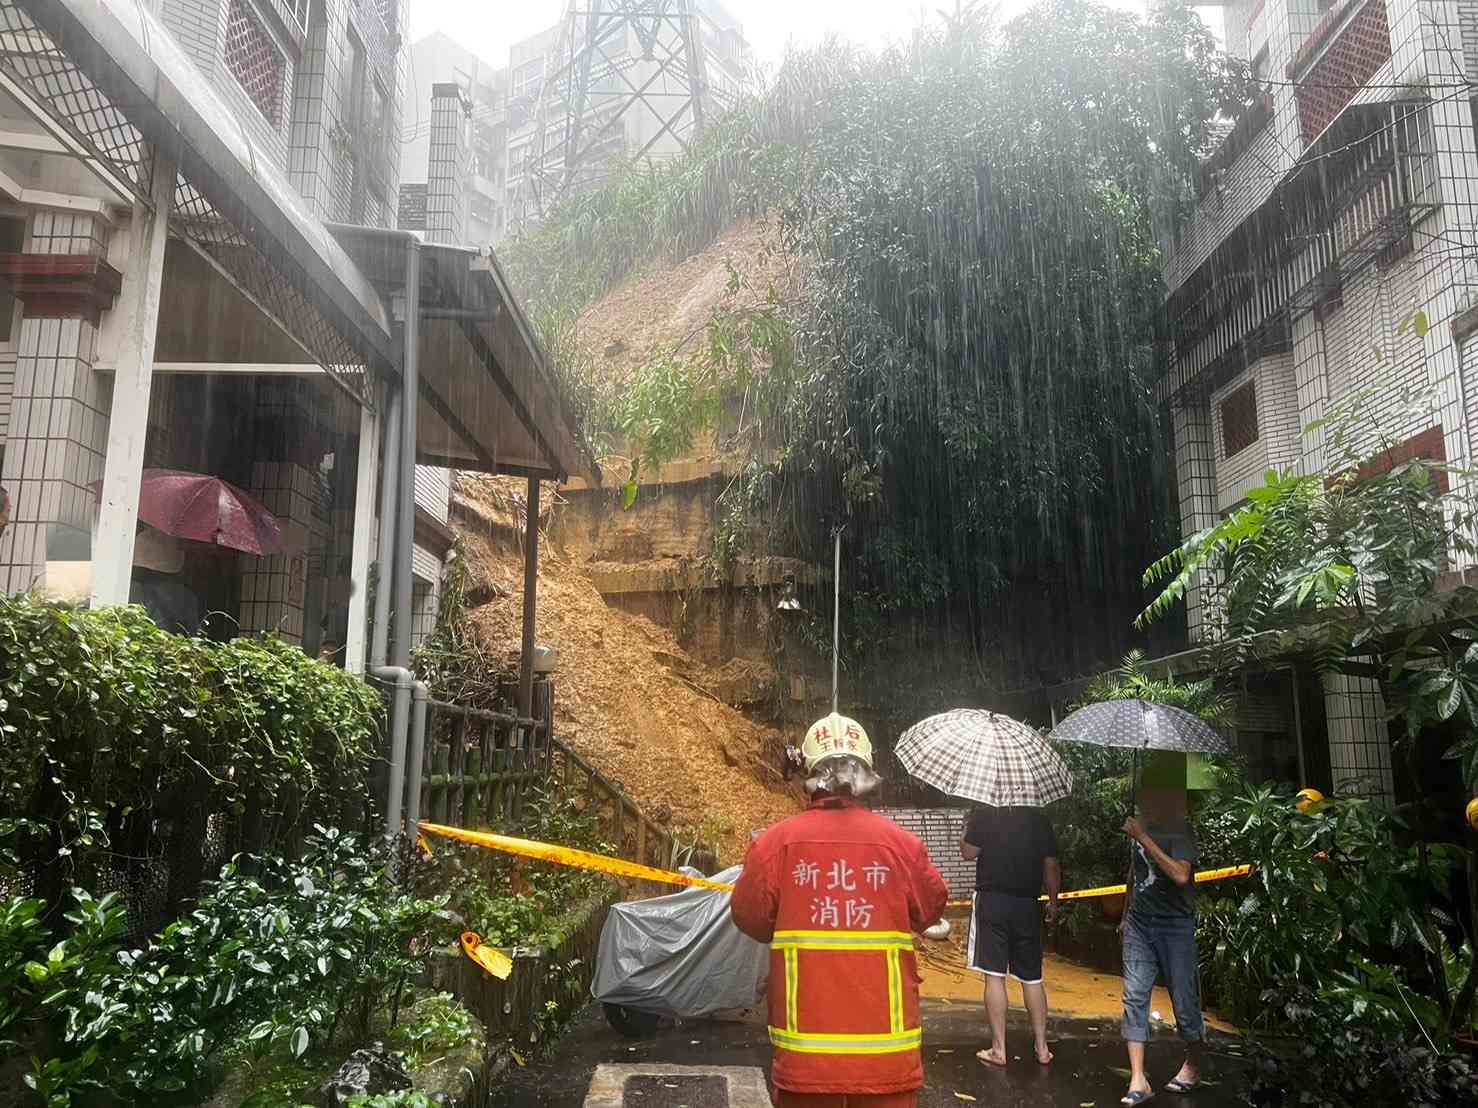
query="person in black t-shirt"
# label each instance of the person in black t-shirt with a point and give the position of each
(1015, 856)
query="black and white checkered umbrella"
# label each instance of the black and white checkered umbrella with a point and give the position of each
(984, 757)
(1140, 725)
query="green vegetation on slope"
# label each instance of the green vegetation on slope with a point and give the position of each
(968, 364)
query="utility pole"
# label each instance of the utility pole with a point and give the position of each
(626, 81)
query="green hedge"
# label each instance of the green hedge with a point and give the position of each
(108, 723)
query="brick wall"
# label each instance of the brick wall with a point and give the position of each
(199, 26)
(941, 830)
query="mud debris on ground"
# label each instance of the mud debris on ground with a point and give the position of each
(627, 696)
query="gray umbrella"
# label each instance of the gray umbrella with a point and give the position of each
(1140, 725)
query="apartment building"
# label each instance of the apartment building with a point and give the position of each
(200, 271)
(438, 59)
(505, 103)
(1342, 201)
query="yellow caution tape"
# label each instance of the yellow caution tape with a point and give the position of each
(620, 867)
(489, 958)
(423, 845)
(1119, 890)
(569, 856)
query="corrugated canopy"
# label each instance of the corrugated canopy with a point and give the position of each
(487, 401)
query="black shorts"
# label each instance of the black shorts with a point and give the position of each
(1006, 937)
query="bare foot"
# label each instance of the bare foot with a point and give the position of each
(1044, 1056)
(992, 1057)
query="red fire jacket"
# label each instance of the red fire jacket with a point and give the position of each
(838, 892)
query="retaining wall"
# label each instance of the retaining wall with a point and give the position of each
(941, 829)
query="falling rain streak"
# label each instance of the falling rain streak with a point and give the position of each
(977, 215)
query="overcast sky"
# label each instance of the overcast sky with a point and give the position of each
(488, 29)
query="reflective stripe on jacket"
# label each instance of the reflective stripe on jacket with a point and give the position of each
(839, 892)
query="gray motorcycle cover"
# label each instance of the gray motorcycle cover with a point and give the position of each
(679, 956)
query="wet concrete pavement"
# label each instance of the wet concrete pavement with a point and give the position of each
(1090, 1067)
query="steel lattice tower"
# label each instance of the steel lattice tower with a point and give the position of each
(625, 80)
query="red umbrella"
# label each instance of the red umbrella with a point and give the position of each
(206, 509)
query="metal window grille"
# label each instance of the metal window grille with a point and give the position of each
(1239, 420)
(254, 60)
(260, 270)
(1351, 58)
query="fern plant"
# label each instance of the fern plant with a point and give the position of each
(1130, 681)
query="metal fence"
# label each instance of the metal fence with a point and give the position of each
(480, 767)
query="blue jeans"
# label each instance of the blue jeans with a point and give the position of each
(1154, 947)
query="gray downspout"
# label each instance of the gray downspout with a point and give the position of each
(410, 383)
(385, 550)
(420, 698)
(400, 703)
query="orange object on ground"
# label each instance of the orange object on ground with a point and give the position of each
(783, 1099)
(491, 959)
(838, 892)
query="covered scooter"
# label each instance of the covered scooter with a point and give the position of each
(676, 957)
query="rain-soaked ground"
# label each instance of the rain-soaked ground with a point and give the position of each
(1089, 1067)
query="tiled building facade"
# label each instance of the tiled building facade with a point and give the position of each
(1342, 202)
(316, 89)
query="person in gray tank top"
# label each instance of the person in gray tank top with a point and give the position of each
(1159, 930)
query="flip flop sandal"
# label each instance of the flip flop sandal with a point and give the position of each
(981, 1055)
(1136, 1097)
(1176, 1085)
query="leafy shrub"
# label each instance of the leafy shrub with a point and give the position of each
(404, 1098)
(436, 1024)
(287, 957)
(515, 902)
(1338, 1063)
(107, 721)
(1340, 905)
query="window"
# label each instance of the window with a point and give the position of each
(351, 93)
(377, 123)
(528, 79)
(1260, 68)
(12, 241)
(1239, 420)
(254, 60)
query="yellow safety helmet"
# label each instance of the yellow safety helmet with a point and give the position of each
(1308, 800)
(833, 737)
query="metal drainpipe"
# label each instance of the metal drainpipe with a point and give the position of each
(400, 702)
(385, 550)
(410, 383)
(420, 696)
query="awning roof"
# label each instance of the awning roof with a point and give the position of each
(487, 400)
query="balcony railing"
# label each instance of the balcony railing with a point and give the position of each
(1348, 47)
(1250, 123)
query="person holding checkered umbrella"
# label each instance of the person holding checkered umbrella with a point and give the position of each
(1009, 770)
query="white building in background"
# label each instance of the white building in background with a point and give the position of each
(437, 59)
(503, 103)
(1342, 201)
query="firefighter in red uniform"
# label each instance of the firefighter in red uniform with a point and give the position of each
(839, 892)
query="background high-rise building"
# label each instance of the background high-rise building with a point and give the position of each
(513, 174)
